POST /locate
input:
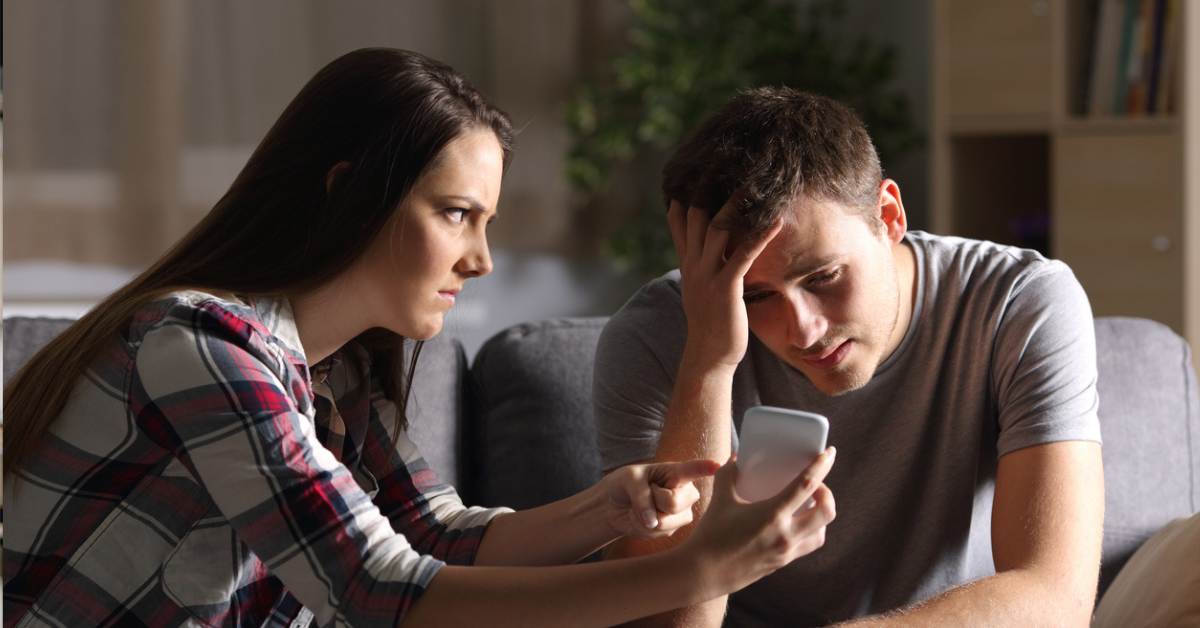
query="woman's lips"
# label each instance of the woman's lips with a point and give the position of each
(830, 360)
(448, 296)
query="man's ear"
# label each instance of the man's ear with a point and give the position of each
(891, 211)
(334, 175)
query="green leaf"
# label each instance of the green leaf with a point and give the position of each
(685, 59)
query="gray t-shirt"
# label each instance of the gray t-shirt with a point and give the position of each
(1000, 355)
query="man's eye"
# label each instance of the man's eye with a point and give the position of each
(754, 297)
(457, 214)
(824, 278)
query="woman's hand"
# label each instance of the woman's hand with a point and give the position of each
(735, 543)
(649, 501)
(712, 282)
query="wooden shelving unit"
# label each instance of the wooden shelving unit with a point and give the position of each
(1017, 160)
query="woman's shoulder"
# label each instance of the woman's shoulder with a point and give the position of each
(196, 310)
(192, 319)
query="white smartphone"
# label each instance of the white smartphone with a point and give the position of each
(775, 446)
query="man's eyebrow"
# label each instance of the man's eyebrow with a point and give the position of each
(797, 271)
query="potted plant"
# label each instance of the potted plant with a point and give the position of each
(685, 58)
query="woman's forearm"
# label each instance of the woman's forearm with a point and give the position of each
(559, 533)
(592, 594)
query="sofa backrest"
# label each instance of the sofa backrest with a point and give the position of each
(436, 414)
(1150, 423)
(532, 437)
(24, 336)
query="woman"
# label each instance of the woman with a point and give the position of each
(222, 441)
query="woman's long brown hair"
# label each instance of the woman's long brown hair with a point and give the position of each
(283, 228)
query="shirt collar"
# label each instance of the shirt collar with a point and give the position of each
(276, 315)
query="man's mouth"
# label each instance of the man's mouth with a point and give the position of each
(829, 358)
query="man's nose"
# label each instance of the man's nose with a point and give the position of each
(806, 324)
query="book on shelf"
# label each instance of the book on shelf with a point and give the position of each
(1153, 65)
(1126, 70)
(1130, 58)
(1110, 16)
(1168, 76)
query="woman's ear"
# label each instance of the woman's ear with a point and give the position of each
(334, 175)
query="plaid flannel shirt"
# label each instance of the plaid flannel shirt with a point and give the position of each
(197, 477)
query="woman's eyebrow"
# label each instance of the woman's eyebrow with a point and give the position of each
(469, 200)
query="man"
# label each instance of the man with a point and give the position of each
(958, 377)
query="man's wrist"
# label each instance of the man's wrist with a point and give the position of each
(706, 371)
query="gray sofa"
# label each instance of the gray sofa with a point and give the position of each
(514, 427)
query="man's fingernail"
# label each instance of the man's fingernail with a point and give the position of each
(649, 519)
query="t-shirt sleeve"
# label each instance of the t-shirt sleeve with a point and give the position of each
(636, 362)
(209, 389)
(1044, 363)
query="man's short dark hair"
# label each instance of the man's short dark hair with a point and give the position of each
(770, 147)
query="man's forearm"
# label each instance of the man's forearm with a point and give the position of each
(1016, 598)
(707, 615)
(1047, 521)
(697, 425)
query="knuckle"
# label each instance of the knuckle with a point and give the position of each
(830, 511)
(826, 505)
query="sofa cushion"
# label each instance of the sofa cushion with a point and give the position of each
(533, 436)
(1150, 422)
(1160, 585)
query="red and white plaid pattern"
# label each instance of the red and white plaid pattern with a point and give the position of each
(195, 479)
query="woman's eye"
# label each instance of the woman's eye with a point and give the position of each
(457, 214)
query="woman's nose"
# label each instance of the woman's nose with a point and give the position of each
(477, 261)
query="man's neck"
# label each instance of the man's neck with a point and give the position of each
(906, 280)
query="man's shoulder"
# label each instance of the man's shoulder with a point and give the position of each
(668, 287)
(939, 247)
(970, 262)
(653, 316)
(658, 298)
